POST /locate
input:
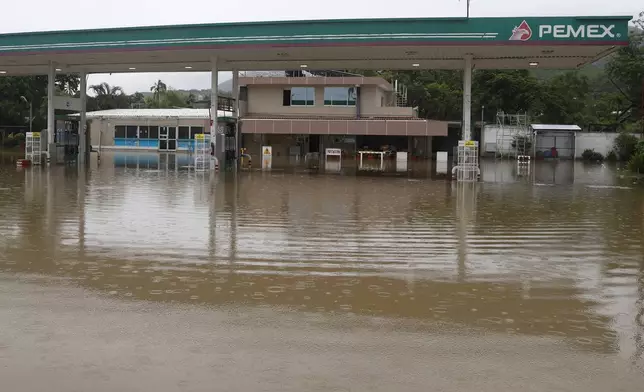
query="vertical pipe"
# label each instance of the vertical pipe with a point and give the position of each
(82, 127)
(51, 119)
(31, 116)
(467, 98)
(358, 102)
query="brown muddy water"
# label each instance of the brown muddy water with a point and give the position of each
(146, 277)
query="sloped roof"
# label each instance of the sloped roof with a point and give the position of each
(555, 127)
(186, 113)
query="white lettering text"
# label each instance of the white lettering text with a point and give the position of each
(583, 31)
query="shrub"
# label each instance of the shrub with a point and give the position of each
(10, 141)
(592, 156)
(611, 156)
(636, 163)
(625, 145)
(639, 148)
(587, 154)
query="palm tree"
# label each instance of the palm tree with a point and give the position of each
(158, 89)
(108, 97)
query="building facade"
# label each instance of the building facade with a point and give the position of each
(299, 115)
(293, 115)
(164, 130)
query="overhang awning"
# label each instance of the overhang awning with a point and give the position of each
(555, 127)
(331, 126)
(501, 43)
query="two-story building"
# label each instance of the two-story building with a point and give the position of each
(293, 115)
(298, 115)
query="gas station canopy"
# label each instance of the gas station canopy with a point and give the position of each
(443, 43)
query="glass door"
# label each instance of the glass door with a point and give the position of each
(172, 139)
(163, 138)
(167, 138)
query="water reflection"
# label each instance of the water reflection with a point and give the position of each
(506, 258)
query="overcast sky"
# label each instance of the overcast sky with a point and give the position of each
(35, 15)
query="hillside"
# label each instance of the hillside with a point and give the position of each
(225, 88)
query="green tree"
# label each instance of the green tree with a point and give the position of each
(626, 71)
(14, 111)
(158, 89)
(509, 91)
(68, 84)
(107, 97)
(190, 100)
(438, 94)
(565, 99)
(165, 97)
(137, 100)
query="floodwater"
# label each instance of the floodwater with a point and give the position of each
(147, 277)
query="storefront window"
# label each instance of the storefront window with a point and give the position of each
(131, 132)
(119, 132)
(143, 132)
(195, 131)
(184, 133)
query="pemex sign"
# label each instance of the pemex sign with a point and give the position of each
(525, 31)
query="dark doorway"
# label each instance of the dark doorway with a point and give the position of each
(314, 143)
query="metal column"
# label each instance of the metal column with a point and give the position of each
(82, 129)
(467, 98)
(214, 98)
(51, 119)
(236, 115)
(467, 167)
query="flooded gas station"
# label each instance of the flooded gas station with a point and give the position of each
(138, 273)
(144, 256)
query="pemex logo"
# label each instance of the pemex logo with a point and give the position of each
(523, 32)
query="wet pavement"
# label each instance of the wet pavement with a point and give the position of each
(148, 277)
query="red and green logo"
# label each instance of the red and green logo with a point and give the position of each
(522, 32)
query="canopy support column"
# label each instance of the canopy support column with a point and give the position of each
(214, 100)
(467, 98)
(82, 126)
(51, 118)
(467, 167)
(236, 114)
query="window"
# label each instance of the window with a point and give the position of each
(143, 132)
(299, 96)
(340, 96)
(184, 133)
(153, 132)
(195, 131)
(131, 131)
(119, 132)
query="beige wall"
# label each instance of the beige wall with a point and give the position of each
(280, 145)
(267, 100)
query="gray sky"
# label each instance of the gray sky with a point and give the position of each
(37, 15)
